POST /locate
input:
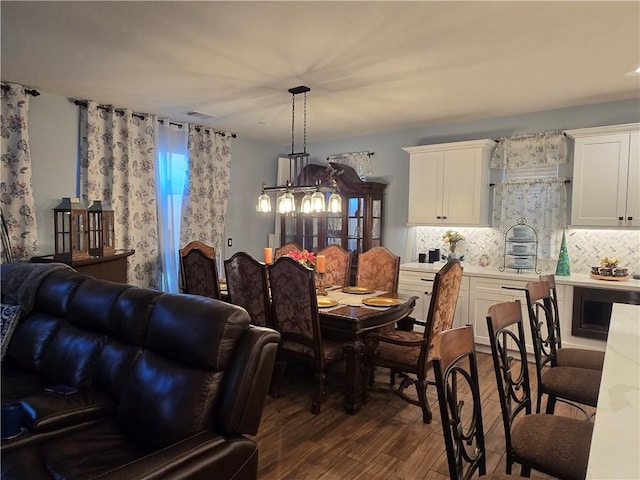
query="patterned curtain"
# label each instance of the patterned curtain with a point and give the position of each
(542, 202)
(359, 161)
(16, 190)
(204, 207)
(117, 167)
(522, 151)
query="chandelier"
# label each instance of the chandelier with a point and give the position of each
(314, 198)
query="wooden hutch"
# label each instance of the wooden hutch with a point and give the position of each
(357, 229)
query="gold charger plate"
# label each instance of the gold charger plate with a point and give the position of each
(325, 302)
(381, 302)
(358, 290)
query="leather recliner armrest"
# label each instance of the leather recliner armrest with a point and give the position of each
(247, 382)
(205, 455)
(47, 411)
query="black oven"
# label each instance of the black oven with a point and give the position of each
(592, 310)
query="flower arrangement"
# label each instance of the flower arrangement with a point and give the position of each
(451, 236)
(609, 262)
(305, 257)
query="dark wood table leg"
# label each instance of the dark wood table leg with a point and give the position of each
(353, 394)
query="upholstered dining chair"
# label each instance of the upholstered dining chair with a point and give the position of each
(338, 265)
(552, 444)
(378, 268)
(567, 357)
(568, 382)
(199, 270)
(409, 352)
(295, 317)
(456, 372)
(286, 249)
(248, 287)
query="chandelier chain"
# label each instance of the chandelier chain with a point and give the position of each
(305, 123)
(293, 121)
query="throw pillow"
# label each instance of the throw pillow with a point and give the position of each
(9, 319)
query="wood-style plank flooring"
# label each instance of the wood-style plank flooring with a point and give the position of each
(386, 440)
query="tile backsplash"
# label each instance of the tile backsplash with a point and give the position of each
(584, 247)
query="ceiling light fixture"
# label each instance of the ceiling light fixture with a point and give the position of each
(313, 200)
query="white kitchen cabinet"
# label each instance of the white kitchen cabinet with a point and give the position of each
(606, 176)
(449, 183)
(420, 284)
(485, 292)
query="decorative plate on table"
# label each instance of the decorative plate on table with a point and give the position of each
(381, 301)
(325, 302)
(358, 290)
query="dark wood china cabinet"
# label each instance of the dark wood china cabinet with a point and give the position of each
(357, 229)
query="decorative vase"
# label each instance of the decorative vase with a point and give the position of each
(452, 248)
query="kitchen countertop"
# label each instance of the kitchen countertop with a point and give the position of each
(575, 280)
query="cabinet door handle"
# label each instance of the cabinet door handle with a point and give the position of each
(629, 218)
(621, 218)
(427, 279)
(439, 217)
(522, 289)
(444, 217)
(427, 293)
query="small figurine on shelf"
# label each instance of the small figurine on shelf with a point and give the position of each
(452, 238)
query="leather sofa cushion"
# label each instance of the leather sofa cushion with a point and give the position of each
(30, 340)
(93, 303)
(70, 358)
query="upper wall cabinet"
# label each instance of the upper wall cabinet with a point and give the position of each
(606, 176)
(449, 183)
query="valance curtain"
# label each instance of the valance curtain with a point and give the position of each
(542, 202)
(16, 190)
(117, 167)
(359, 161)
(204, 207)
(522, 151)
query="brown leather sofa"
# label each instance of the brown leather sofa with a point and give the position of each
(162, 385)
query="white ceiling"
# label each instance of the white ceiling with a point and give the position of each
(371, 66)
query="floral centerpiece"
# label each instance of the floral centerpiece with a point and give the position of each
(452, 238)
(305, 257)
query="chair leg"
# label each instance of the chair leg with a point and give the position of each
(525, 471)
(551, 404)
(318, 396)
(421, 388)
(539, 402)
(276, 379)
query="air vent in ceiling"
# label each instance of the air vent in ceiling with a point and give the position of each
(201, 115)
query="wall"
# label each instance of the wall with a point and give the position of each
(391, 163)
(54, 140)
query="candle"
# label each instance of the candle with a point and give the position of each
(268, 255)
(321, 264)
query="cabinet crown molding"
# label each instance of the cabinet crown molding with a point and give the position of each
(604, 130)
(485, 143)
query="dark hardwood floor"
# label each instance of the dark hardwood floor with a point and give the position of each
(386, 440)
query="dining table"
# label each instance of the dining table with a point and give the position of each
(351, 313)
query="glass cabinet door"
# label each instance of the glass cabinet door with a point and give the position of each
(376, 224)
(355, 218)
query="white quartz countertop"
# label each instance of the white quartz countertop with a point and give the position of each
(576, 280)
(616, 441)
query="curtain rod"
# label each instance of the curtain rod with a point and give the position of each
(143, 115)
(29, 91)
(179, 125)
(369, 154)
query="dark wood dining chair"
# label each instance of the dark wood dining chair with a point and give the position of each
(295, 317)
(410, 353)
(248, 287)
(338, 265)
(568, 384)
(286, 249)
(456, 372)
(378, 268)
(552, 444)
(199, 270)
(567, 357)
